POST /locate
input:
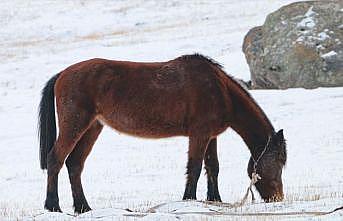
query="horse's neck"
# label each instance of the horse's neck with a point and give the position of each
(250, 122)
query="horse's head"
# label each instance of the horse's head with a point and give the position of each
(269, 167)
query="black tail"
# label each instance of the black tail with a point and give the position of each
(47, 121)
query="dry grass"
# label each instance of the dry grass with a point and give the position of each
(17, 212)
(312, 193)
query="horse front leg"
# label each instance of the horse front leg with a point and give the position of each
(197, 147)
(212, 170)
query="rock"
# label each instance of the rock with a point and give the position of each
(299, 45)
(245, 84)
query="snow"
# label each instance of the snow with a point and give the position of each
(40, 38)
(329, 54)
(310, 12)
(322, 36)
(306, 37)
(306, 34)
(308, 20)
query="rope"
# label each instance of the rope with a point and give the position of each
(213, 212)
(237, 204)
(260, 156)
(217, 213)
(255, 177)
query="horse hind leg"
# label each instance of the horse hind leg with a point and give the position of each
(71, 128)
(197, 147)
(212, 170)
(75, 163)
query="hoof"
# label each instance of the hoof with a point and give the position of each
(52, 206)
(189, 198)
(214, 199)
(78, 209)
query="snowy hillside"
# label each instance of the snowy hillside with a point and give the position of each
(40, 38)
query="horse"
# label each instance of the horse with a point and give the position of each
(188, 96)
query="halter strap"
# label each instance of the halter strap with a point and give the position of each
(260, 156)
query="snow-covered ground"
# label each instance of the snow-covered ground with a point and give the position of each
(40, 38)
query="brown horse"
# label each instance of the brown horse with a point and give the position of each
(188, 96)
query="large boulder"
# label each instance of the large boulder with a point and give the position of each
(299, 45)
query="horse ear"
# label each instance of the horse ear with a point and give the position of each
(278, 137)
(279, 134)
(281, 140)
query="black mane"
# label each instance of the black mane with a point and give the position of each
(202, 57)
(233, 79)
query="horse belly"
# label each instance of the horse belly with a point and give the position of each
(146, 121)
